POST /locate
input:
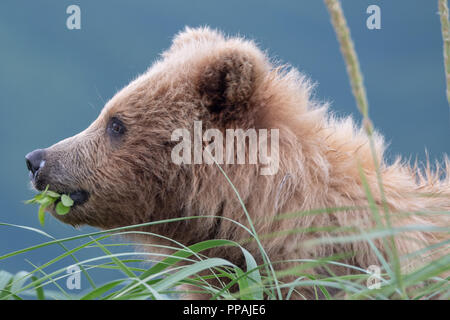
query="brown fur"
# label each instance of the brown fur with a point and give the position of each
(230, 83)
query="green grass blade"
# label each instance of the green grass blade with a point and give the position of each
(173, 280)
(99, 291)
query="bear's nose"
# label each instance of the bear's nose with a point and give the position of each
(35, 160)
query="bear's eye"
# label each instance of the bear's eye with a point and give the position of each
(116, 127)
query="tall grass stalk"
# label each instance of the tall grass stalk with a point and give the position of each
(445, 27)
(349, 54)
(356, 80)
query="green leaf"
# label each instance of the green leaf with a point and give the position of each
(35, 199)
(61, 209)
(66, 201)
(41, 215)
(52, 194)
(46, 201)
(43, 195)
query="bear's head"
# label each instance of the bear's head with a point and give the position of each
(119, 170)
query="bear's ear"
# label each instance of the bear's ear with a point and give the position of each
(226, 82)
(195, 35)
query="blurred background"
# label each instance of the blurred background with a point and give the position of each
(54, 81)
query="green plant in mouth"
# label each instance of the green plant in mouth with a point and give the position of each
(48, 197)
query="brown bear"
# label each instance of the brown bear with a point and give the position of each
(120, 170)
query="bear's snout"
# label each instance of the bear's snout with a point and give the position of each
(35, 161)
(45, 171)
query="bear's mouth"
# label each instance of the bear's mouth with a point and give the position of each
(79, 197)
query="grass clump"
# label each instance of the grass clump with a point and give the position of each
(149, 274)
